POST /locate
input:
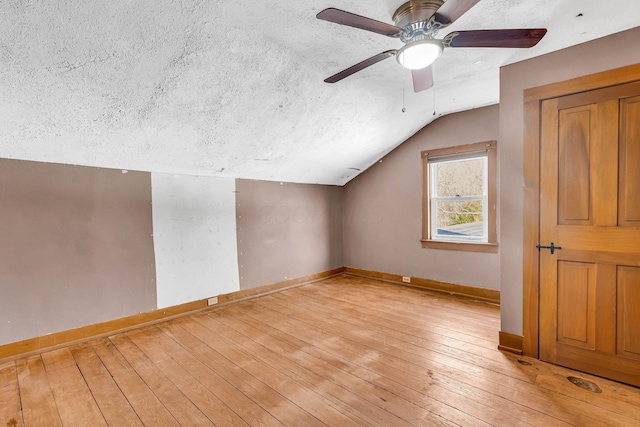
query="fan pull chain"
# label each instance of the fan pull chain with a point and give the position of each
(404, 109)
(434, 101)
(433, 89)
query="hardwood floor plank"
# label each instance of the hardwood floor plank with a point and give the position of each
(366, 316)
(143, 401)
(407, 301)
(402, 318)
(345, 351)
(75, 402)
(446, 322)
(375, 402)
(493, 409)
(251, 412)
(301, 395)
(508, 369)
(377, 415)
(39, 406)
(505, 368)
(173, 399)
(393, 326)
(237, 374)
(402, 322)
(440, 315)
(491, 381)
(57, 359)
(611, 398)
(392, 338)
(273, 402)
(112, 403)
(10, 409)
(207, 402)
(416, 299)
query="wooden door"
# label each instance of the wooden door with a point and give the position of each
(590, 207)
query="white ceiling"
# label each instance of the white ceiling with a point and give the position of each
(235, 88)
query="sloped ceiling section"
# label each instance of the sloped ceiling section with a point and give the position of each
(235, 88)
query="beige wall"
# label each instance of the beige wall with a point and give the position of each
(286, 230)
(76, 247)
(383, 209)
(600, 55)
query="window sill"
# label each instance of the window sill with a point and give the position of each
(460, 246)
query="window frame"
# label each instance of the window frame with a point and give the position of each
(427, 240)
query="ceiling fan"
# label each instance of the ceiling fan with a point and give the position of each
(416, 24)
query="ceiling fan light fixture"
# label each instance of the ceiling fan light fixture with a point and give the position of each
(419, 54)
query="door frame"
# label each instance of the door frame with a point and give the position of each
(533, 98)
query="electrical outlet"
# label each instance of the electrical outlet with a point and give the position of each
(212, 301)
(406, 279)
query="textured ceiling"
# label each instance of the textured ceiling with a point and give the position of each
(235, 88)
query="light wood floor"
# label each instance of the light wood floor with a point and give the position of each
(342, 352)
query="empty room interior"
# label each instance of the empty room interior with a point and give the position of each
(334, 213)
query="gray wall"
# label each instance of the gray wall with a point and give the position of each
(287, 230)
(383, 209)
(599, 55)
(76, 247)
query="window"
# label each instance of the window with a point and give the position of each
(459, 193)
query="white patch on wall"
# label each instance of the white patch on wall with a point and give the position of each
(194, 236)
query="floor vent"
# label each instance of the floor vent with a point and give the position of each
(584, 384)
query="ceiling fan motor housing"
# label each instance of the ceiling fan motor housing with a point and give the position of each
(414, 17)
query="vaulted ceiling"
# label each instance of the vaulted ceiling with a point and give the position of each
(235, 88)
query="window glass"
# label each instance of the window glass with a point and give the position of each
(460, 178)
(459, 219)
(458, 199)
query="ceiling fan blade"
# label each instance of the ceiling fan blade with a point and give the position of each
(453, 9)
(422, 79)
(499, 38)
(360, 66)
(352, 20)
